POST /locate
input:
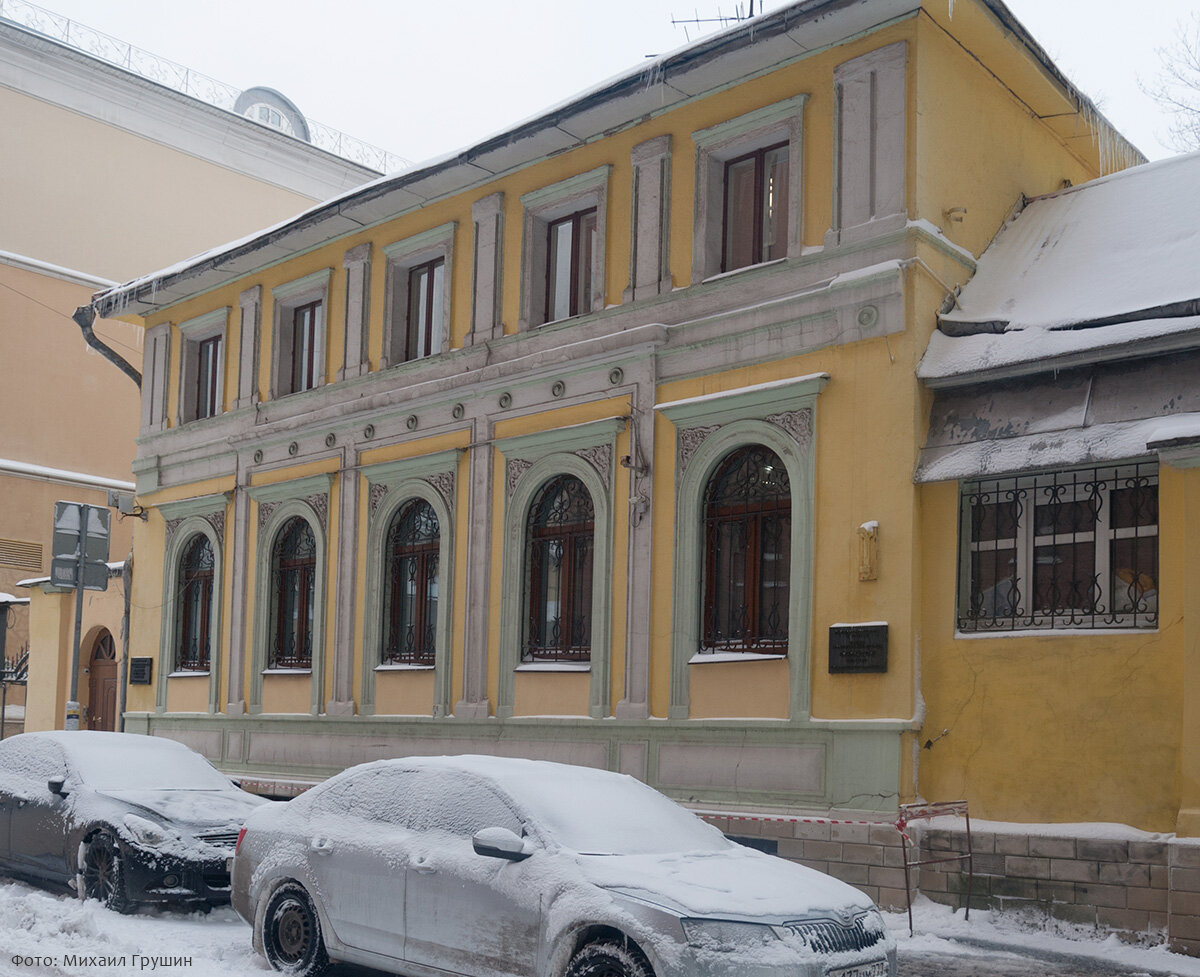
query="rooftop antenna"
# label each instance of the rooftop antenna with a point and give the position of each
(739, 14)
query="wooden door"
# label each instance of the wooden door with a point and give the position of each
(102, 685)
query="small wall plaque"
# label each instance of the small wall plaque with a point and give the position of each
(140, 670)
(858, 648)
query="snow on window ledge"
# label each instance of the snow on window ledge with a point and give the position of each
(1053, 633)
(287, 671)
(190, 673)
(704, 657)
(554, 667)
(403, 667)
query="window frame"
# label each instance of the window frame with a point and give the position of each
(283, 570)
(289, 299)
(779, 124)
(298, 497)
(550, 205)
(197, 335)
(1094, 487)
(188, 577)
(395, 484)
(579, 275)
(186, 519)
(571, 648)
(424, 553)
(755, 516)
(757, 218)
(402, 259)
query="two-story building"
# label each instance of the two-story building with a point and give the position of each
(596, 441)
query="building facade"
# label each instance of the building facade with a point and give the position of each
(563, 446)
(75, 222)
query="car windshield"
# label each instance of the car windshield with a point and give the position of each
(616, 816)
(142, 764)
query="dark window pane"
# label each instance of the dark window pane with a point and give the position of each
(747, 583)
(993, 520)
(560, 564)
(993, 583)
(775, 204)
(1059, 517)
(410, 612)
(293, 576)
(1134, 503)
(1064, 578)
(741, 204)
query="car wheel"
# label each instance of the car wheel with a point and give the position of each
(291, 933)
(102, 873)
(608, 960)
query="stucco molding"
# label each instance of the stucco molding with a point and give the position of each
(689, 440)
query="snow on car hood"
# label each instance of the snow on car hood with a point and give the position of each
(195, 807)
(736, 883)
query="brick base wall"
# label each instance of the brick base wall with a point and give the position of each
(1137, 889)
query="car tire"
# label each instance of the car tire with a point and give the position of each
(102, 873)
(291, 933)
(608, 959)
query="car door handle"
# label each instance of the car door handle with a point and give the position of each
(423, 867)
(322, 846)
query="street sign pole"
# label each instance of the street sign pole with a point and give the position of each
(71, 720)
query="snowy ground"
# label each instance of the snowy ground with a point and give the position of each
(74, 939)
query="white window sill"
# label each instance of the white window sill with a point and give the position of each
(1053, 633)
(737, 271)
(706, 657)
(287, 671)
(189, 674)
(554, 667)
(402, 667)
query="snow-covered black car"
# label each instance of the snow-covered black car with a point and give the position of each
(121, 818)
(498, 867)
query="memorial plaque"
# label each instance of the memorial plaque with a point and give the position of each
(140, 670)
(858, 648)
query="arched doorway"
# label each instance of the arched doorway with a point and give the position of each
(102, 684)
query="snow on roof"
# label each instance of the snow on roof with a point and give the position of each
(1111, 250)
(10, 599)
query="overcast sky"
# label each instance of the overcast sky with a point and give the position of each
(423, 78)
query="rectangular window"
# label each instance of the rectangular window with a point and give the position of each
(756, 208)
(207, 394)
(1068, 549)
(425, 301)
(569, 246)
(305, 326)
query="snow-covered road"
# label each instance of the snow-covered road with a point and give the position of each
(44, 933)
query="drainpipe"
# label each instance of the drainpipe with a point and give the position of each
(123, 675)
(84, 316)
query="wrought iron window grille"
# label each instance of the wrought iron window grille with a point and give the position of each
(559, 553)
(747, 548)
(411, 572)
(195, 596)
(1066, 549)
(293, 586)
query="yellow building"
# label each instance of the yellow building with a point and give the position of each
(74, 222)
(596, 442)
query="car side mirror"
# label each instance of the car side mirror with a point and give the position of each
(500, 843)
(55, 785)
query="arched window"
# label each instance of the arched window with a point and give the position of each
(411, 574)
(293, 586)
(560, 539)
(747, 547)
(195, 600)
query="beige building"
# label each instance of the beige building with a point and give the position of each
(85, 140)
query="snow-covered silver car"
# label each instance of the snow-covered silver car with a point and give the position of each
(121, 818)
(489, 866)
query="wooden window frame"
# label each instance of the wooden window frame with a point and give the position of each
(759, 156)
(203, 580)
(418, 341)
(427, 554)
(575, 292)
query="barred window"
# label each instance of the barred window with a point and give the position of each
(747, 545)
(560, 537)
(196, 593)
(293, 580)
(1068, 549)
(410, 612)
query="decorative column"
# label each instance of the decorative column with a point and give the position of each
(344, 645)
(250, 336)
(488, 217)
(239, 583)
(474, 701)
(649, 268)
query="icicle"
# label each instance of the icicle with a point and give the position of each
(1114, 151)
(951, 9)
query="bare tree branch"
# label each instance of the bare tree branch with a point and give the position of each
(1177, 87)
